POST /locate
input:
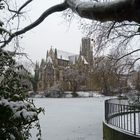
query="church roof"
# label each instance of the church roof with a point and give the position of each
(64, 55)
(67, 56)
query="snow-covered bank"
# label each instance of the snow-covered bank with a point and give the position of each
(71, 118)
(68, 94)
(89, 94)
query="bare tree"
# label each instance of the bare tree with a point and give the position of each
(110, 76)
(75, 78)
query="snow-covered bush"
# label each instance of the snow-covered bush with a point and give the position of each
(134, 98)
(18, 114)
(55, 91)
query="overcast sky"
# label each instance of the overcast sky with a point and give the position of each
(54, 31)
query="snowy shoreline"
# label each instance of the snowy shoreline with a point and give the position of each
(67, 94)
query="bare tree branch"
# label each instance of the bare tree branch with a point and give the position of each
(56, 8)
(112, 26)
(19, 10)
(9, 9)
(128, 54)
(24, 5)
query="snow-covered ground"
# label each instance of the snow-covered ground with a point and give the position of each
(71, 118)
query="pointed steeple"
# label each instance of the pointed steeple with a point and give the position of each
(55, 53)
(42, 63)
(36, 66)
(51, 53)
(47, 54)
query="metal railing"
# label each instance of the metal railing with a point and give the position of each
(123, 116)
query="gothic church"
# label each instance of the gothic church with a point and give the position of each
(52, 70)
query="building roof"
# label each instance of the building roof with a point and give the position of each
(64, 55)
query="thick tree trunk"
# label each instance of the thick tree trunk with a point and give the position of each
(118, 10)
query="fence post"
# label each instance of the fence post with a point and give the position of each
(134, 120)
(106, 110)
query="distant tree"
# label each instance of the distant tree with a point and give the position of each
(110, 76)
(34, 81)
(137, 82)
(104, 76)
(75, 77)
(27, 70)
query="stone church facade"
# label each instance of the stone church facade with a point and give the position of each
(53, 70)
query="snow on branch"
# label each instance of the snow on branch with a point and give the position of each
(51, 10)
(118, 10)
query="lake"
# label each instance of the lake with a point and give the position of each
(71, 118)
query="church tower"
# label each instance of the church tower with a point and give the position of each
(86, 50)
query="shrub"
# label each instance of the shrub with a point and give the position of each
(18, 114)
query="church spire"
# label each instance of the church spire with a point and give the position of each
(55, 53)
(47, 54)
(36, 66)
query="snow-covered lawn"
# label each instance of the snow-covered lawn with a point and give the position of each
(71, 118)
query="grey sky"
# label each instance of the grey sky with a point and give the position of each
(54, 31)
